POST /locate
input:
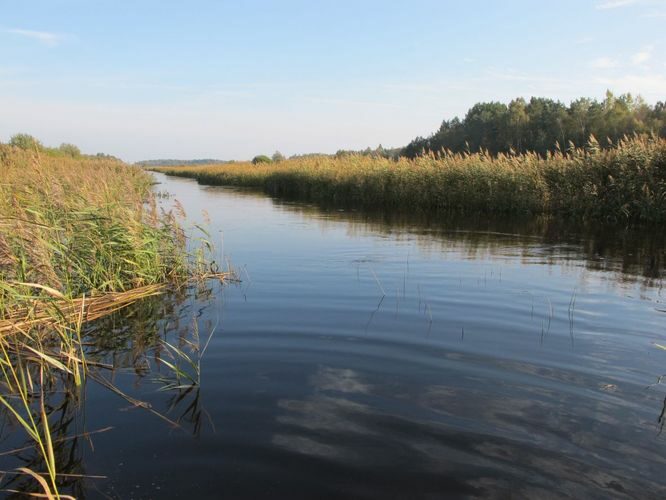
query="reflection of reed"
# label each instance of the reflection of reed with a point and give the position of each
(63, 421)
(631, 254)
(191, 411)
(131, 341)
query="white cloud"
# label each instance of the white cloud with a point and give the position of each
(652, 86)
(49, 39)
(516, 76)
(604, 63)
(642, 56)
(655, 14)
(584, 40)
(614, 4)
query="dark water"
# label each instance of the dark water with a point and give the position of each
(365, 356)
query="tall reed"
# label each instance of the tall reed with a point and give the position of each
(624, 182)
(79, 238)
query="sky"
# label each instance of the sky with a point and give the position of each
(222, 79)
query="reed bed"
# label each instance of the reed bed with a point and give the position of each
(79, 240)
(624, 182)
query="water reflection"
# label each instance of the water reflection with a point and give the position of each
(382, 356)
(630, 253)
(126, 353)
(62, 412)
(467, 437)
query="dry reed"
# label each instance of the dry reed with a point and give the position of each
(624, 182)
(79, 239)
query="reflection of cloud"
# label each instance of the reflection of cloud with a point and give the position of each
(307, 446)
(322, 412)
(323, 426)
(339, 379)
(539, 426)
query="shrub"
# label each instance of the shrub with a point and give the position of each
(70, 150)
(25, 141)
(260, 159)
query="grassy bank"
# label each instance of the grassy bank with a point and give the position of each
(79, 226)
(79, 239)
(625, 182)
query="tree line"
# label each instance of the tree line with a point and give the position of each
(31, 143)
(541, 125)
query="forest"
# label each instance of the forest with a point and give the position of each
(541, 125)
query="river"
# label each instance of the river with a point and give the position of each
(374, 356)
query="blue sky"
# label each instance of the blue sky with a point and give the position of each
(231, 79)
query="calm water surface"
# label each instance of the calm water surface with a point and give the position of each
(364, 357)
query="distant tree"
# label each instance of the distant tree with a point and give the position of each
(658, 119)
(278, 157)
(486, 125)
(70, 150)
(517, 123)
(25, 141)
(579, 120)
(541, 125)
(261, 159)
(546, 119)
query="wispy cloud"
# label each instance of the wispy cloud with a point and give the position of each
(48, 39)
(655, 14)
(614, 4)
(643, 56)
(584, 40)
(515, 76)
(651, 86)
(604, 63)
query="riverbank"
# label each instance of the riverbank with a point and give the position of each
(80, 238)
(624, 183)
(81, 226)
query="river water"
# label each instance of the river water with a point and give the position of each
(370, 356)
